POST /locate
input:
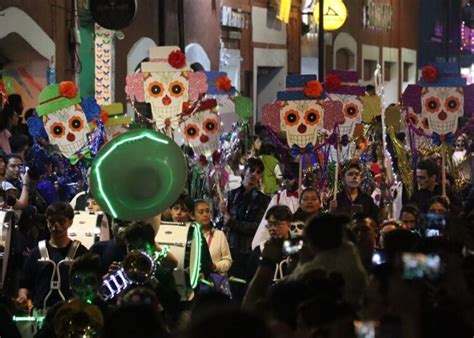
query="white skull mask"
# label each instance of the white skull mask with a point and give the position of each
(296, 229)
(442, 106)
(202, 131)
(301, 120)
(352, 109)
(67, 128)
(166, 92)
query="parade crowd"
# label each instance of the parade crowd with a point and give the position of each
(281, 256)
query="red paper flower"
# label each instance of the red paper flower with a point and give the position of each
(104, 116)
(67, 89)
(177, 59)
(313, 88)
(429, 73)
(332, 82)
(223, 83)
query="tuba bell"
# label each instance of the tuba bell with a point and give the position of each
(138, 174)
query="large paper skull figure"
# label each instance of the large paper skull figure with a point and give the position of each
(167, 83)
(342, 86)
(443, 107)
(63, 118)
(440, 99)
(203, 129)
(163, 83)
(301, 113)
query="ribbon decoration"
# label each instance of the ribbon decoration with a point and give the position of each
(85, 153)
(439, 139)
(296, 150)
(308, 157)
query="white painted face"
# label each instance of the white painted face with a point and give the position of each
(442, 106)
(67, 128)
(301, 120)
(202, 131)
(166, 92)
(352, 108)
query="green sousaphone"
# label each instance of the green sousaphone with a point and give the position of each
(138, 174)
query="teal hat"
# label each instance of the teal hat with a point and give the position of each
(57, 96)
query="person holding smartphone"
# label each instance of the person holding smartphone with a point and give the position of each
(278, 219)
(352, 200)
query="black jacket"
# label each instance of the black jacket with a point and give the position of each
(246, 210)
(346, 207)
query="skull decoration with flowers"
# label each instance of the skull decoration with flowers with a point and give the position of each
(440, 100)
(301, 113)
(164, 82)
(203, 129)
(64, 120)
(342, 87)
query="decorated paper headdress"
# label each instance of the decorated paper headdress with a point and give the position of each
(345, 105)
(63, 117)
(301, 114)
(442, 97)
(57, 96)
(167, 83)
(203, 129)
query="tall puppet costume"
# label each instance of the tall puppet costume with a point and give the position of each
(440, 99)
(344, 108)
(165, 83)
(63, 117)
(301, 114)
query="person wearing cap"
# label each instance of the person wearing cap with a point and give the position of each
(246, 206)
(288, 196)
(352, 200)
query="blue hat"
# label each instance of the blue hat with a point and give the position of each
(211, 83)
(294, 88)
(447, 76)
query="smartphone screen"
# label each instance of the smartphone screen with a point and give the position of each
(418, 265)
(378, 257)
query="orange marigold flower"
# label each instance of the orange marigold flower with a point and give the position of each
(313, 88)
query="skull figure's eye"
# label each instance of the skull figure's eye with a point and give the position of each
(312, 117)
(210, 126)
(76, 123)
(452, 104)
(351, 110)
(191, 131)
(292, 117)
(155, 89)
(176, 89)
(57, 130)
(432, 104)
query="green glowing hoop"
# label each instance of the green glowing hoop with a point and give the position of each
(138, 174)
(195, 258)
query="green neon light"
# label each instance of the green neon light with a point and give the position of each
(144, 134)
(197, 258)
(28, 318)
